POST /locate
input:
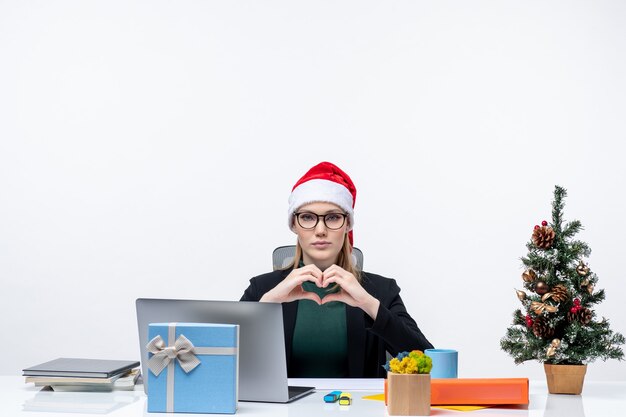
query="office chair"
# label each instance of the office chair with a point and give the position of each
(283, 256)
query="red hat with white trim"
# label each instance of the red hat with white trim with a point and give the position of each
(325, 182)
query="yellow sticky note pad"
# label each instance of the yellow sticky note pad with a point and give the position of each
(375, 397)
(381, 397)
(461, 407)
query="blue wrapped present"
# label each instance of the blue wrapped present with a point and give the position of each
(193, 367)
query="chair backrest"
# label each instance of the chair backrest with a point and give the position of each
(283, 256)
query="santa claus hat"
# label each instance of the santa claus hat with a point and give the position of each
(325, 182)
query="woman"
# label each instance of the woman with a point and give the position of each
(339, 321)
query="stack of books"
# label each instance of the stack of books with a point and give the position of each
(77, 374)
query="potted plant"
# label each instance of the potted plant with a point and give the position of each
(408, 384)
(557, 324)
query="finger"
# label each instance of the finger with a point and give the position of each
(302, 274)
(314, 270)
(329, 273)
(312, 278)
(331, 297)
(311, 269)
(331, 270)
(333, 277)
(340, 297)
(306, 295)
(328, 280)
(306, 269)
(335, 271)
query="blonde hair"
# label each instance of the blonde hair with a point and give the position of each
(344, 258)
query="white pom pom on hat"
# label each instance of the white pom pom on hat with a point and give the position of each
(325, 182)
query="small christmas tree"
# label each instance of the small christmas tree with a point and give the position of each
(559, 325)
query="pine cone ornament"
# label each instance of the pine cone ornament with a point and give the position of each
(543, 236)
(559, 293)
(582, 315)
(542, 329)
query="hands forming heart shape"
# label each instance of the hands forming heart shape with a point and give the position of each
(350, 290)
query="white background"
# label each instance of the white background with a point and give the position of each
(148, 148)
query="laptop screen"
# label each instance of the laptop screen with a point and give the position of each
(262, 364)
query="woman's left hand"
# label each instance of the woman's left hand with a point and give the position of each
(350, 291)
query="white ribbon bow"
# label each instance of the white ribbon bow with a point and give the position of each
(183, 350)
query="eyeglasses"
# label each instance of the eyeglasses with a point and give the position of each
(332, 221)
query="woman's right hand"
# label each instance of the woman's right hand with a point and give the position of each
(290, 289)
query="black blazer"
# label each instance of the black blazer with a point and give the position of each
(394, 330)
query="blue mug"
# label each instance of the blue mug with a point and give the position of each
(445, 363)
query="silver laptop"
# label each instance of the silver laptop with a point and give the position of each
(262, 364)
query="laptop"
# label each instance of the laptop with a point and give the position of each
(262, 364)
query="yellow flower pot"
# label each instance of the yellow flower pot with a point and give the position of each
(565, 379)
(408, 394)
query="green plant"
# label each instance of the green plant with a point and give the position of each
(558, 324)
(414, 362)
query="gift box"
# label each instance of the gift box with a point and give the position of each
(479, 391)
(475, 391)
(193, 368)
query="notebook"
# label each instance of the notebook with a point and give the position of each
(262, 364)
(80, 367)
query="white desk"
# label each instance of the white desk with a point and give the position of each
(599, 399)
